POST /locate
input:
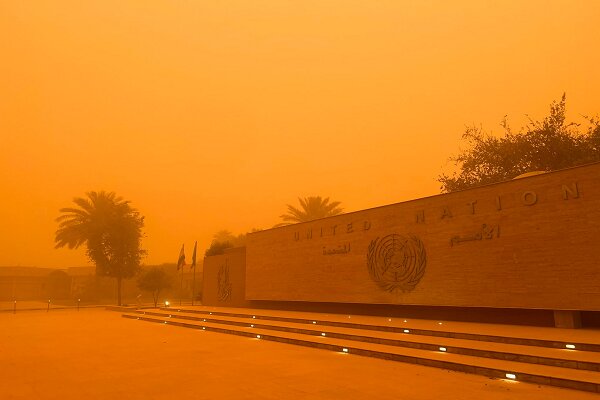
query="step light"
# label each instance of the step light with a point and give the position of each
(389, 319)
(570, 346)
(345, 350)
(258, 336)
(167, 303)
(405, 321)
(165, 322)
(510, 376)
(322, 333)
(254, 316)
(251, 326)
(314, 322)
(203, 328)
(169, 315)
(406, 331)
(439, 323)
(442, 349)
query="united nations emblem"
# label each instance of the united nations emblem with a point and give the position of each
(396, 262)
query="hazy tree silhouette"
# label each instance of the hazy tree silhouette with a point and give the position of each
(154, 280)
(217, 248)
(545, 145)
(111, 231)
(223, 240)
(311, 208)
(226, 236)
(58, 285)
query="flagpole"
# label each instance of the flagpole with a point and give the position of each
(193, 285)
(181, 287)
(181, 264)
(194, 275)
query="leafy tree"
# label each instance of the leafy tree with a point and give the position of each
(217, 248)
(226, 236)
(58, 285)
(311, 208)
(546, 145)
(223, 240)
(154, 280)
(111, 231)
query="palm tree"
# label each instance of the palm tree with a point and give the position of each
(111, 231)
(312, 207)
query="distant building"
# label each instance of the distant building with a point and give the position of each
(24, 283)
(71, 283)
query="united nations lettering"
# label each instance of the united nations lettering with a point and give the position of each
(396, 262)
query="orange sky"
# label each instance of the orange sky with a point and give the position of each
(213, 115)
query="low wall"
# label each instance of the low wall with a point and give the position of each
(224, 279)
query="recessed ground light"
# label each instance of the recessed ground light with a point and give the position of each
(210, 313)
(258, 336)
(167, 303)
(251, 326)
(570, 346)
(439, 323)
(442, 349)
(204, 320)
(345, 350)
(511, 376)
(323, 334)
(405, 321)
(314, 322)
(203, 328)
(348, 316)
(389, 319)
(254, 316)
(138, 317)
(406, 331)
(165, 322)
(169, 316)
(178, 310)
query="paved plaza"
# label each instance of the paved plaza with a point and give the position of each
(97, 354)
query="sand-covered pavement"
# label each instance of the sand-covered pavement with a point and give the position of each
(96, 354)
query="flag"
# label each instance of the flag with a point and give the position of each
(194, 256)
(181, 261)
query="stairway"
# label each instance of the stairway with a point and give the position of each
(545, 356)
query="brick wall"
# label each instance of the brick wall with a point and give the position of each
(528, 243)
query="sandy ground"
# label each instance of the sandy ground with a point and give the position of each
(96, 354)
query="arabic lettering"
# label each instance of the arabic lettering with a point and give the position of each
(486, 232)
(340, 249)
(224, 285)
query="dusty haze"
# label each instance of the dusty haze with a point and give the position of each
(213, 115)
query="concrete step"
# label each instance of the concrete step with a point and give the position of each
(494, 368)
(575, 359)
(530, 336)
